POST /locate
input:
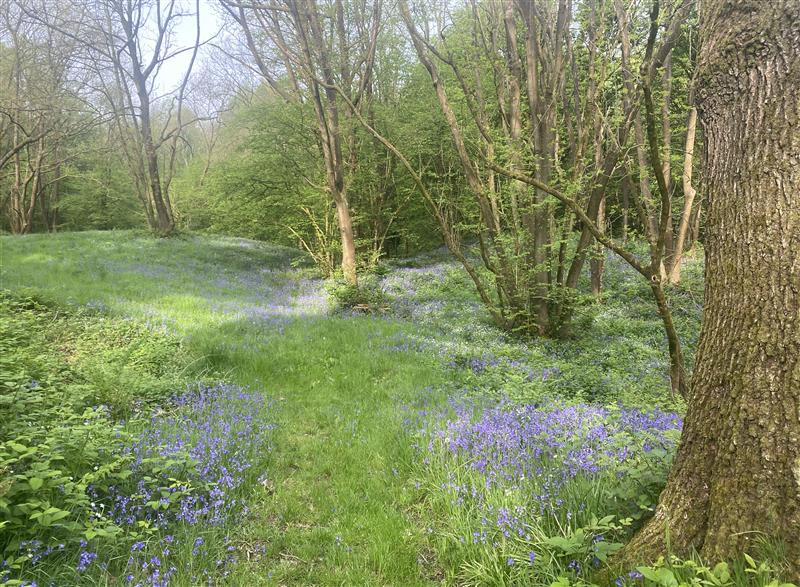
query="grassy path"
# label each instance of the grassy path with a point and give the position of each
(333, 512)
(334, 508)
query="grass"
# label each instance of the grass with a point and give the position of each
(351, 495)
(334, 510)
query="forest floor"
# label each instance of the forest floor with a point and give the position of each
(378, 470)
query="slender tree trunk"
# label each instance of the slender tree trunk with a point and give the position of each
(677, 372)
(666, 145)
(162, 215)
(645, 194)
(55, 196)
(347, 235)
(688, 198)
(15, 202)
(694, 226)
(625, 188)
(326, 109)
(596, 265)
(737, 472)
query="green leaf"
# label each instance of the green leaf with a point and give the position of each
(58, 516)
(662, 576)
(722, 572)
(569, 545)
(35, 482)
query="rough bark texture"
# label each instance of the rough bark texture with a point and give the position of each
(737, 472)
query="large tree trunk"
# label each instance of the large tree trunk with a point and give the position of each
(737, 472)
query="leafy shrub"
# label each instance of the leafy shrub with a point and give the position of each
(55, 442)
(367, 297)
(78, 485)
(49, 471)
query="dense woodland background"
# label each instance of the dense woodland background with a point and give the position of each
(239, 147)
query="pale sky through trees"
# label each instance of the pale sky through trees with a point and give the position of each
(175, 68)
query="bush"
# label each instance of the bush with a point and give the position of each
(78, 485)
(367, 297)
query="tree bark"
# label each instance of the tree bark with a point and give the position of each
(596, 264)
(737, 472)
(688, 198)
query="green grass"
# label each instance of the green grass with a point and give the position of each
(335, 509)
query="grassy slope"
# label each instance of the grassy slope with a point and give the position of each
(336, 509)
(333, 512)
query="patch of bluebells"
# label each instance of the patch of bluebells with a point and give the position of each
(210, 441)
(512, 444)
(214, 440)
(510, 470)
(187, 468)
(85, 558)
(219, 430)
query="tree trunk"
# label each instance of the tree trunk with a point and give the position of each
(666, 145)
(597, 265)
(162, 215)
(688, 198)
(625, 189)
(345, 222)
(694, 227)
(737, 472)
(55, 199)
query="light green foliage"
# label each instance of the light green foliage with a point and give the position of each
(97, 192)
(257, 186)
(677, 572)
(55, 438)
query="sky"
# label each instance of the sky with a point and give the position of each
(174, 69)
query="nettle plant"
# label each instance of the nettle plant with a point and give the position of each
(80, 486)
(52, 445)
(48, 471)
